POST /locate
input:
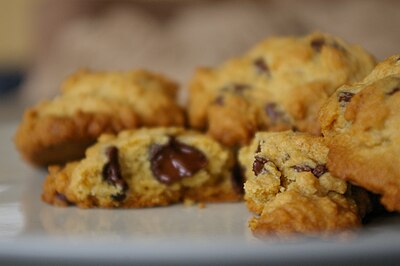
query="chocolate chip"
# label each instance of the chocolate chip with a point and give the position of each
(261, 66)
(238, 178)
(175, 160)
(286, 157)
(317, 44)
(393, 91)
(319, 170)
(219, 100)
(112, 170)
(302, 168)
(237, 88)
(119, 197)
(271, 109)
(63, 198)
(345, 96)
(258, 148)
(258, 164)
(338, 47)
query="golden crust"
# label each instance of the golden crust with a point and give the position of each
(363, 136)
(55, 140)
(92, 103)
(278, 85)
(295, 213)
(82, 183)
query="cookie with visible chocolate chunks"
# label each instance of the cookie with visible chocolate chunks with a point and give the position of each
(92, 103)
(361, 123)
(291, 190)
(145, 168)
(278, 85)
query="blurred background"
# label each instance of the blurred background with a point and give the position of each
(44, 41)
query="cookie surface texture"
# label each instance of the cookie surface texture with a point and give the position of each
(291, 190)
(145, 168)
(361, 122)
(92, 103)
(279, 84)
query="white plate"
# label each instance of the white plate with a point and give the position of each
(34, 232)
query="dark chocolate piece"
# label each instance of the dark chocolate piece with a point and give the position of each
(271, 109)
(219, 100)
(175, 160)
(112, 171)
(317, 44)
(345, 96)
(319, 170)
(393, 91)
(261, 66)
(258, 164)
(119, 197)
(302, 168)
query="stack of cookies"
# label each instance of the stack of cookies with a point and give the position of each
(298, 127)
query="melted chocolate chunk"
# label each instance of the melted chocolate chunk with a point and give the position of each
(261, 66)
(175, 160)
(345, 96)
(112, 171)
(302, 168)
(258, 164)
(319, 170)
(393, 91)
(317, 44)
(238, 178)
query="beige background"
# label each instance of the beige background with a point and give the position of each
(51, 39)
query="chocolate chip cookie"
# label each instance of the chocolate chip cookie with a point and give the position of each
(145, 168)
(92, 103)
(291, 189)
(280, 84)
(361, 123)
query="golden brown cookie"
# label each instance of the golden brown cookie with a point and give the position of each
(291, 189)
(361, 123)
(92, 103)
(145, 168)
(280, 84)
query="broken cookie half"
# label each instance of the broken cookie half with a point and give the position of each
(145, 168)
(291, 190)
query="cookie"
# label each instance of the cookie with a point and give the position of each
(361, 123)
(280, 84)
(291, 190)
(92, 103)
(145, 168)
